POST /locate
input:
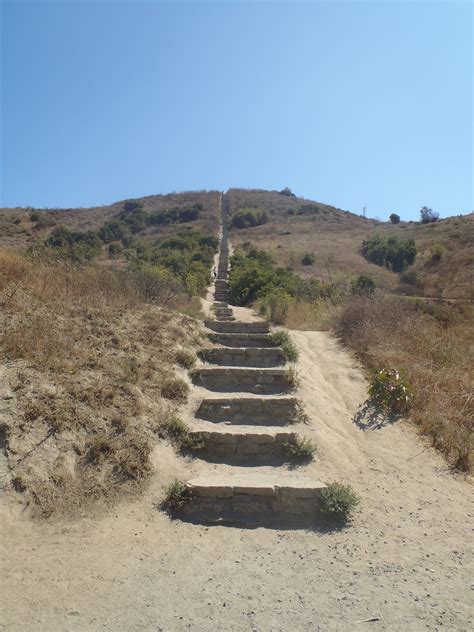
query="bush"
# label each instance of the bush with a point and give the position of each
(248, 218)
(394, 218)
(338, 501)
(184, 358)
(283, 340)
(178, 432)
(437, 251)
(427, 215)
(279, 303)
(35, 216)
(393, 253)
(363, 285)
(300, 449)
(76, 246)
(114, 250)
(132, 205)
(308, 259)
(309, 209)
(177, 494)
(288, 192)
(391, 391)
(174, 388)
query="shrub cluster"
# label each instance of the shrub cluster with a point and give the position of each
(76, 246)
(248, 217)
(393, 253)
(253, 276)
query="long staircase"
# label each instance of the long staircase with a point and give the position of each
(246, 421)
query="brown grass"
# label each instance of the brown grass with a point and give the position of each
(86, 360)
(437, 355)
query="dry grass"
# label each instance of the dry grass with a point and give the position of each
(86, 360)
(437, 355)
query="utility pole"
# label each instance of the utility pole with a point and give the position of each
(363, 211)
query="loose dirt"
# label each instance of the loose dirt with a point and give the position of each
(403, 564)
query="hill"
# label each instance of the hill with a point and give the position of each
(296, 226)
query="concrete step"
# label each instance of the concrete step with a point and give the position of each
(259, 327)
(268, 411)
(248, 380)
(256, 497)
(248, 357)
(242, 340)
(243, 442)
(225, 319)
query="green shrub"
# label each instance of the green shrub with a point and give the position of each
(115, 250)
(279, 303)
(309, 209)
(300, 449)
(76, 246)
(35, 216)
(177, 494)
(308, 259)
(283, 340)
(291, 377)
(393, 253)
(391, 391)
(248, 217)
(287, 191)
(338, 501)
(184, 358)
(363, 285)
(394, 218)
(174, 388)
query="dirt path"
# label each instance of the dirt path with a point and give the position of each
(404, 561)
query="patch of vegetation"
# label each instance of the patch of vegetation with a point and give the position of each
(393, 253)
(291, 377)
(253, 276)
(288, 192)
(300, 449)
(394, 218)
(390, 390)
(186, 359)
(175, 389)
(283, 340)
(76, 246)
(337, 501)
(364, 285)
(427, 215)
(309, 209)
(308, 259)
(178, 432)
(177, 494)
(248, 218)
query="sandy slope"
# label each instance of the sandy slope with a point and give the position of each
(405, 560)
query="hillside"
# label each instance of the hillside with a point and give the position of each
(18, 232)
(296, 226)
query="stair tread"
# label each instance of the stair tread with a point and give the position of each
(240, 430)
(257, 480)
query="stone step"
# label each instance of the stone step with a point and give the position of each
(248, 357)
(242, 340)
(268, 411)
(260, 327)
(254, 497)
(243, 442)
(249, 380)
(225, 319)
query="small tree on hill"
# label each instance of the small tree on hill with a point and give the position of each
(287, 191)
(394, 218)
(427, 215)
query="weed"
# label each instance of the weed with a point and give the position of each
(184, 358)
(283, 340)
(177, 494)
(338, 501)
(308, 259)
(390, 390)
(175, 389)
(178, 432)
(300, 449)
(291, 377)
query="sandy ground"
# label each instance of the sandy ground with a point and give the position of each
(404, 561)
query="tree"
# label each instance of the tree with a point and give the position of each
(288, 192)
(364, 285)
(394, 218)
(427, 215)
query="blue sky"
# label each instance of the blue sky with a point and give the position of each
(349, 103)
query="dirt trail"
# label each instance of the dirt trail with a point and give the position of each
(405, 560)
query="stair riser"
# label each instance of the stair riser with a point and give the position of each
(254, 382)
(241, 341)
(251, 357)
(238, 327)
(274, 412)
(245, 446)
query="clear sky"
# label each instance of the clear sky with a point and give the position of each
(349, 103)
